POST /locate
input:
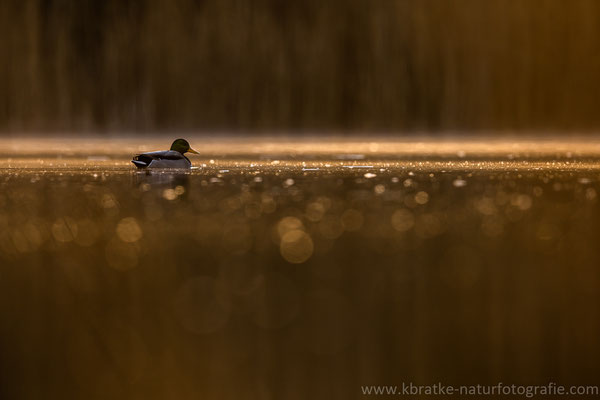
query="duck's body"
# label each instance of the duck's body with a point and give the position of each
(162, 159)
(173, 158)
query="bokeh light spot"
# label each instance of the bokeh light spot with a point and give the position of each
(287, 224)
(352, 220)
(169, 194)
(129, 230)
(64, 229)
(421, 198)
(296, 246)
(402, 220)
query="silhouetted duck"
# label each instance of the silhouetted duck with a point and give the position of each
(173, 158)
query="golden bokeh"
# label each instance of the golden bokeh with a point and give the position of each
(402, 220)
(296, 246)
(129, 230)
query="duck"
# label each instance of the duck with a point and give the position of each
(173, 158)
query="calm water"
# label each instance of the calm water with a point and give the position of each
(296, 269)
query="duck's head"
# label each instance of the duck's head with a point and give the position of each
(182, 146)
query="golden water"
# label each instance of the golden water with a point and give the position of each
(296, 269)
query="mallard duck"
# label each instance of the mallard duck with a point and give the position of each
(173, 158)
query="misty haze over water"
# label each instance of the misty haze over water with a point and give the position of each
(273, 65)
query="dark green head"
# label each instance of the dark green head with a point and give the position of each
(182, 146)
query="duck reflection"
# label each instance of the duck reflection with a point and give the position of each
(176, 181)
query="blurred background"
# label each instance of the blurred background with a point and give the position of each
(275, 65)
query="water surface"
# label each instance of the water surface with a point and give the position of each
(296, 269)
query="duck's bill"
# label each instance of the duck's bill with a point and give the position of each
(193, 151)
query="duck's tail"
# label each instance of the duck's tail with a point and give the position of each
(140, 164)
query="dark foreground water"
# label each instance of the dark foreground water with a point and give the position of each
(278, 275)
